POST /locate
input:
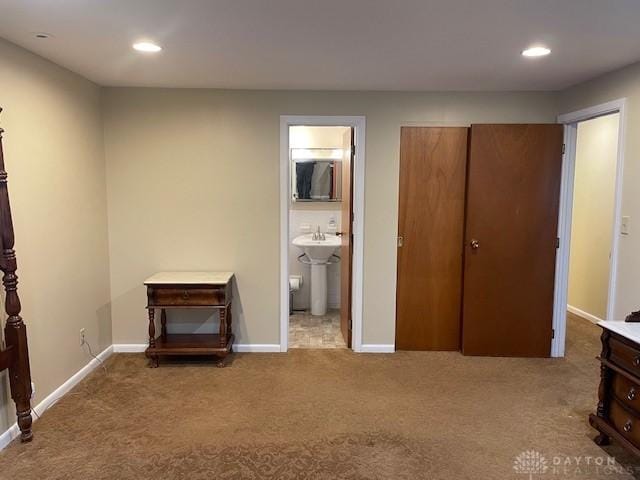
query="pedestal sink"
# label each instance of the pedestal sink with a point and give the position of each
(318, 254)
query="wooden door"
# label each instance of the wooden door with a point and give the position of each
(430, 237)
(346, 244)
(510, 239)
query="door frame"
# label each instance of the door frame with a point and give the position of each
(570, 121)
(358, 123)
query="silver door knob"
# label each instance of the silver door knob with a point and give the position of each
(474, 244)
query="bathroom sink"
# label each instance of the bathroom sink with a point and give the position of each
(318, 251)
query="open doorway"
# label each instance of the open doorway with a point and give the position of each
(590, 222)
(321, 239)
(319, 232)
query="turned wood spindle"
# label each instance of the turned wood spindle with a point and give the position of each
(15, 330)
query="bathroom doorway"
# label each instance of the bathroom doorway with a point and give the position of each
(320, 241)
(320, 160)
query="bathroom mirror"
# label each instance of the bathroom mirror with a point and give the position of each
(316, 174)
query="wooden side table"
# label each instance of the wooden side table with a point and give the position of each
(189, 290)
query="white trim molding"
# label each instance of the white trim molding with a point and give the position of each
(359, 125)
(129, 347)
(237, 347)
(378, 348)
(583, 314)
(13, 431)
(571, 120)
(256, 347)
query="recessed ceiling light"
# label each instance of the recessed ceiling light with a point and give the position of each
(146, 47)
(536, 52)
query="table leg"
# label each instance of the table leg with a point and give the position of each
(152, 328)
(152, 336)
(223, 326)
(163, 322)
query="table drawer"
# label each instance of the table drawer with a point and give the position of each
(625, 422)
(627, 392)
(625, 356)
(186, 296)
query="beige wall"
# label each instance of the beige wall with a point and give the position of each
(54, 156)
(193, 183)
(593, 214)
(619, 84)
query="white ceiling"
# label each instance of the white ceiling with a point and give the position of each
(331, 44)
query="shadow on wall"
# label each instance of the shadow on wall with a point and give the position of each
(103, 316)
(7, 408)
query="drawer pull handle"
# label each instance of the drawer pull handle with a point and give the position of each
(632, 394)
(627, 426)
(185, 296)
(636, 361)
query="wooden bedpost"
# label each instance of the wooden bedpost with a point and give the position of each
(15, 332)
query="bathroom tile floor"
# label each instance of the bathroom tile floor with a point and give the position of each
(308, 331)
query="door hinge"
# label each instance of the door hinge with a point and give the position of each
(350, 324)
(353, 150)
(553, 333)
(557, 242)
(564, 148)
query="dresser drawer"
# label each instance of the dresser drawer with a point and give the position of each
(625, 356)
(186, 296)
(625, 422)
(627, 392)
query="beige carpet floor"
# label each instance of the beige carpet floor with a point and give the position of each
(325, 414)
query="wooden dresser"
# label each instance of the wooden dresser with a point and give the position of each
(210, 290)
(618, 413)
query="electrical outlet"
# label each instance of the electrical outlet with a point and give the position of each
(624, 225)
(82, 340)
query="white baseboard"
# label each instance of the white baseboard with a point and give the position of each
(129, 347)
(54, 396)
(237, 347)
(583, 314)
(7, 437)
(257, 347)
(380, 348)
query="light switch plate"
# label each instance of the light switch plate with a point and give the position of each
(624, 225)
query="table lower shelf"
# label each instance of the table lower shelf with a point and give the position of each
(192, 344)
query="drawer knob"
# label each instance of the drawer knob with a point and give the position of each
(185, 295)
(627, 426)
(632, 394)
(636, 361)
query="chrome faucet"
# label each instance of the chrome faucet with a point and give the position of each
(318, 235)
